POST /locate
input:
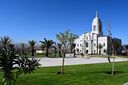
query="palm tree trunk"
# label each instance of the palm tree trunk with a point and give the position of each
(47, 52)
(32, 51)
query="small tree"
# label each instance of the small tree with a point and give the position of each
(11, 65)
(112, 48)
(63, 38)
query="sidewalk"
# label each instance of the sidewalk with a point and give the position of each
(45, 62)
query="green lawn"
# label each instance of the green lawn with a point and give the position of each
(92, 74)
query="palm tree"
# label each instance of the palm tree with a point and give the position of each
(47, 44)
(5, 41)
(32, 44)
(59, 46)
(100, 47)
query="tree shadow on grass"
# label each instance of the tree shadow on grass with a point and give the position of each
(115, 72)
(110, 72)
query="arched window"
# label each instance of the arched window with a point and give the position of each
(86, 44)
(94, 28)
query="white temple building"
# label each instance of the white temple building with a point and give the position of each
(88, 42)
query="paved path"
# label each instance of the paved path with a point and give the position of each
(45, 62)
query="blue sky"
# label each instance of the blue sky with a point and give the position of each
(24, 20)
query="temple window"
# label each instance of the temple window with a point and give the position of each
(94, 28)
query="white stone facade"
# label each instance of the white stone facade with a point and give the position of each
(88, 43)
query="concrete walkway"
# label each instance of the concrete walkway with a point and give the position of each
(45, 62)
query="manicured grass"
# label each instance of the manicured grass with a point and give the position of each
(91, 74)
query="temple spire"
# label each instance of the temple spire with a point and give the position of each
(96, 13)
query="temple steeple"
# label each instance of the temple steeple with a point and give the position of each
(97, 25)
(96, 13)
